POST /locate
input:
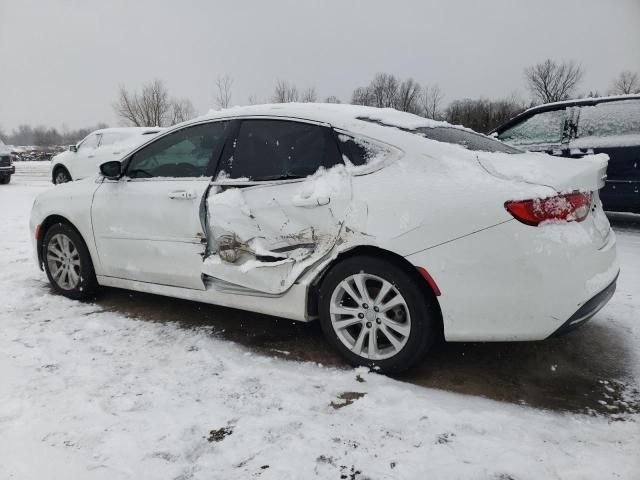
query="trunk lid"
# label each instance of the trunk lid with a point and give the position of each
(562, 174)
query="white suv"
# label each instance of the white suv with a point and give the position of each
(83, 159)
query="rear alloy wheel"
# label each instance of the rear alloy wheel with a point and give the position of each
(61, 176)
(376, 314)
(67, 262)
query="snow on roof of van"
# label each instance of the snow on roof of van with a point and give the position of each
(348, 117)
(586, 101)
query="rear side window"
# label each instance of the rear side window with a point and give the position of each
(541, 128)
(280, 149)
(610, 119)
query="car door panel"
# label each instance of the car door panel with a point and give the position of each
(265, 236)
(146, 231)
(148, 226)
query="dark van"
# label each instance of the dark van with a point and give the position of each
(576, 128)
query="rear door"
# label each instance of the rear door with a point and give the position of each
(542, 132)
(613, 128)
(277, 205)
(148, 225)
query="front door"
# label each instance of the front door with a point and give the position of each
(277, 206)
(148, 225)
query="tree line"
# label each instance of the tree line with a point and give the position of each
(152, 105)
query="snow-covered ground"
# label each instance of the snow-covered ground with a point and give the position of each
(92, 394)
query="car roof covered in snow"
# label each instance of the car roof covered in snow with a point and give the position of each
(354, 118)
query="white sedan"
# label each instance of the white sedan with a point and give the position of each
(84, 159)
(389, 228)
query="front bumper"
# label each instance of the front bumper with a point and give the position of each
(7, 170)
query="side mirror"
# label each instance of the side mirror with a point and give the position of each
(111, 170)
(73, 148)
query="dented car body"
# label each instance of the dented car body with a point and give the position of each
(258, 207)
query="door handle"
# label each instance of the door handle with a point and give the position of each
(310, 202)
(182, 195)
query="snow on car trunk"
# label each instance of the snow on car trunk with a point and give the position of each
(562, 174)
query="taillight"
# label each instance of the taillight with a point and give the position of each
(570, 207)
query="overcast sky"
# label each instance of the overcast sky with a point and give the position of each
(61, 61)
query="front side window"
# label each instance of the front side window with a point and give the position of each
(541, 128)
(610, 119)
(185, 153)
(109, 138)
(280, 149)
(89, 142)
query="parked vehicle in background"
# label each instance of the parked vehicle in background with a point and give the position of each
(388, 227)
(6, 164)
(576, 128)
(83, 159)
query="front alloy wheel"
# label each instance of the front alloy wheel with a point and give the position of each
(61, 176)
(67, 262)
(63, 261)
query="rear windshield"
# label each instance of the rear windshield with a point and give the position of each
(469, 140)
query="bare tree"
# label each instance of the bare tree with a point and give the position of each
(149, 108)
(408, 96)
(253, 99)
(431, 101)
(332, 99)
(152, 107)
(223, 97)
(551, 82)
(483, 115)
(626, 83)
(309, 95)
(182, 110)
(384, 89)
(362, 96)
(285, 92)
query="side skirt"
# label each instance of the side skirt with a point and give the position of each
(291, 305)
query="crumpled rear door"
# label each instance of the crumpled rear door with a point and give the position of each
(263, 235)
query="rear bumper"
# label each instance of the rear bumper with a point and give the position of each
(587, 311)
(512, 282)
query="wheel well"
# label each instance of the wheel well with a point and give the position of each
(46, 225)
(411, 270)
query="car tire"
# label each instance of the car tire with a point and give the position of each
(5, 180)
(61, 175)
(363, 328)
(67, 262)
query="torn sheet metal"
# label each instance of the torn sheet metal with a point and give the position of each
(264, 237)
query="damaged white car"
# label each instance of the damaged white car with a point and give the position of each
(389, 228)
